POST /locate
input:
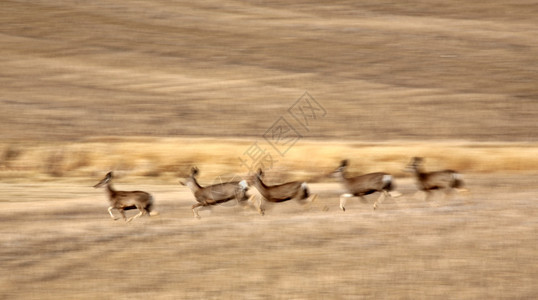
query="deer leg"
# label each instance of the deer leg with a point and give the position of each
(239, 198)
(385, 195)
(380, 199)
(310, 202)
(311, 199)
(343, 199)
(448, 192)
(123, 214)
(307, 200)
(251, 201)
(465, 193)
(314, 197)
(195, 211)
(110, 212)
(428, 195)
(258, 205)
(395, 194)
(138, 215)
(260, 208)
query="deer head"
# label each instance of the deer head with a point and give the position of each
(192, 176)
(338, 172)
(414, 164)
(104, 181)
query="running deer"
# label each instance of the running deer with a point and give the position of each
(122, 200)
(427, 182)
(216, 193)
(362, 185)
(282, 192)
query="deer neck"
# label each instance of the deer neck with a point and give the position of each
(343, 177)
(348, 182)
(262, 188)
(110, 189)
(193, 185)
(419, 172)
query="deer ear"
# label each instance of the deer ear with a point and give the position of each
(194, 171)
(344, 163)
(109, 174)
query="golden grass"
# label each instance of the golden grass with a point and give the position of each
(170, 158)
(58, 242)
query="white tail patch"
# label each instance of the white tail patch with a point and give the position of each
(457, 176)
(243, 184)
(304, 186)
(387, 178)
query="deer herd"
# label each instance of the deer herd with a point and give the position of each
(357, 186)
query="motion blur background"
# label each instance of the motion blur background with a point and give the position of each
(150, 88)
(418, 71)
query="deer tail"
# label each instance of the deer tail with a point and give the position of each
(305, 190)
(388, 183)
(243, 185)
(150, 208)
(457, 180)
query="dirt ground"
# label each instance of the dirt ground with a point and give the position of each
(59, 242)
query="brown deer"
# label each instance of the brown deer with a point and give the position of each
(362, 185)
(282, 192)
(122, 200)
(216, 193)
(427, 182)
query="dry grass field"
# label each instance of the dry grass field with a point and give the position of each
(149, 89)
(59, 242)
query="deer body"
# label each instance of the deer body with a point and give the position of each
(282, 192)
(362, 185)
(125, 200)
(427, 182)
(215, 194)
(368, 184)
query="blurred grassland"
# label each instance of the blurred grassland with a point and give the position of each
(417, 71)
(170, 158)
(150, 88)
